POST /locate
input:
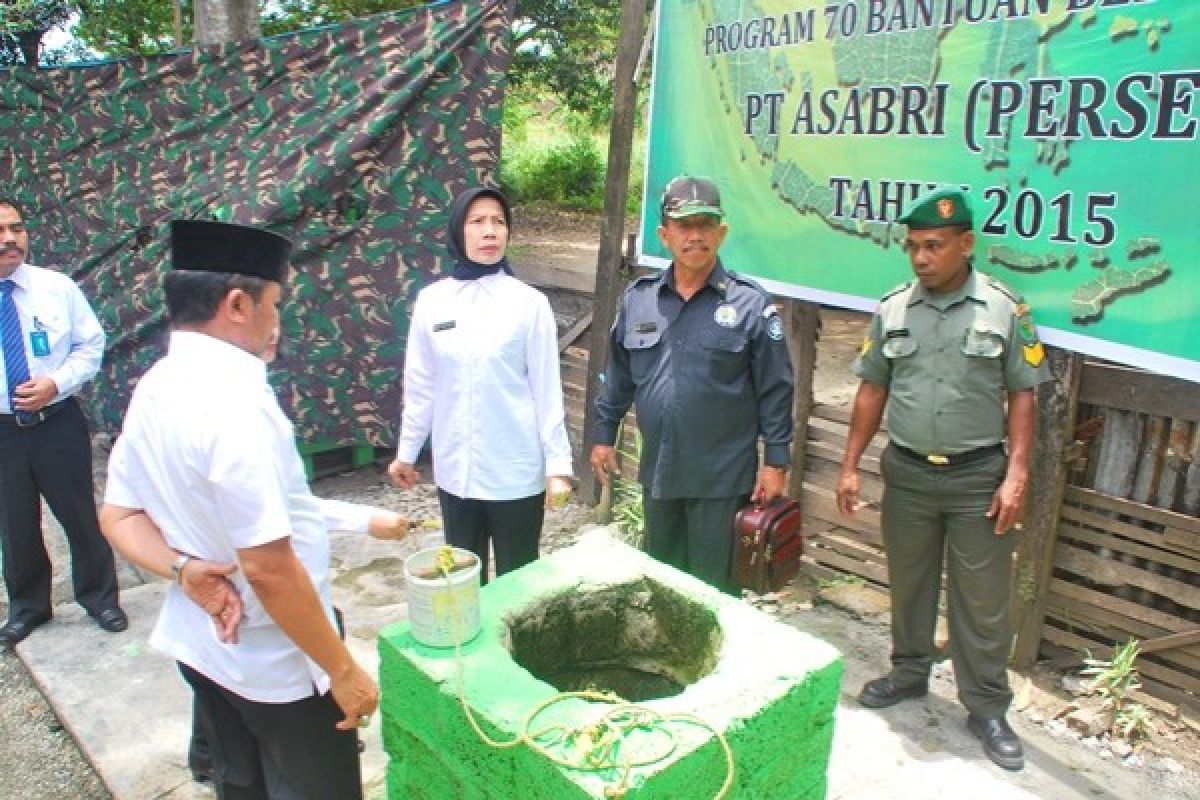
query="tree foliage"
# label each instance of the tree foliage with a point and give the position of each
(23, 23)
(121, 28)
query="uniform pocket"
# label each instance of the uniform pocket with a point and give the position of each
(726, 354)
(898, 346)
(983, 341)
(643, 352)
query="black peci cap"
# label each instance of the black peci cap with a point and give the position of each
(207, 246)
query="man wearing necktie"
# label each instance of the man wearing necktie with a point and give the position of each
(52, 345)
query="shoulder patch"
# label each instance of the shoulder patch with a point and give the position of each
(744, 281)
(1002, 289)
(902, 287)
(775, 328)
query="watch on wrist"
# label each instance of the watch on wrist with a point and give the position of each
(177, 567)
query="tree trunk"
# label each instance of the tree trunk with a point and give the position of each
(219, 21)
(612, 225)
(30, 43)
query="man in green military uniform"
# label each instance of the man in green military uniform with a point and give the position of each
(954, 358)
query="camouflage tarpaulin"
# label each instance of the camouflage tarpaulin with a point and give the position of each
(350, 140)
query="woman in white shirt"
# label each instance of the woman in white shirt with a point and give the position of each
(481, 378)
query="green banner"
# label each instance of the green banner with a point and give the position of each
(1072, 123)
(351, 140)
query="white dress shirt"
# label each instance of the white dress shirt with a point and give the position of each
(209, 455)
(342, 515)
(49, 301)
(481, 377)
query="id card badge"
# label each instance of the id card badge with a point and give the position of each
(39, 341)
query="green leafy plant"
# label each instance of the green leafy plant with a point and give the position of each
(627, 509)
(569, 176)
(1115, 680)
(841, 580)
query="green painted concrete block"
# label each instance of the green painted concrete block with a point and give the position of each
(613, 612)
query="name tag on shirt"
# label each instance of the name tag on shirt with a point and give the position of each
(444, 326)
(646, 327)
(39, 342)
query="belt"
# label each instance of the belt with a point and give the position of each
(950, 459)
(29, 419)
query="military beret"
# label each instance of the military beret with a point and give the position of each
(207, 246)
(688, 197)
(940, 208)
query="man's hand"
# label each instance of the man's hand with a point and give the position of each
(207, 584)
(771, 483)
(403, 474)
(847, 492)
(558, 491)
(35, 394)
(1008, 504)
(388, 525)
(356, 695)
(604, 462)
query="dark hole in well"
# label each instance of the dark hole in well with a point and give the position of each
(641, 640)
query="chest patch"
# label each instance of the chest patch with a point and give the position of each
(444, 326)
(775, 328)
(725, 315)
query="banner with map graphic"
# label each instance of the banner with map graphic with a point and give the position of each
(350, 140)
(1073, 125)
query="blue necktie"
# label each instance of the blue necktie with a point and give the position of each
(16, 367)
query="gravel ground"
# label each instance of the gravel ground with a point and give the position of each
(38, 759)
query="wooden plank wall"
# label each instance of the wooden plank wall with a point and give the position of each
(835, 544)
(1127, 561)
(573, 366)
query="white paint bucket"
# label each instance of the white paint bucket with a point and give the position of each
(442, 609)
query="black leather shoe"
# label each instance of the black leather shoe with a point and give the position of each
(112, 620)
(1000, 742)
(883, 692)
(15, 630)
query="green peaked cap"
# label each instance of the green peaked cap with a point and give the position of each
(939, 208)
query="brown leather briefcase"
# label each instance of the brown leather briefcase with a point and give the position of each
(768, 544)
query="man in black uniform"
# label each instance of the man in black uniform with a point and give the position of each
(699, 351)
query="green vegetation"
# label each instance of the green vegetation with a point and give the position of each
(22, 25)
(556, 158)
(1115, 680)
(846, 579)
(627, 509)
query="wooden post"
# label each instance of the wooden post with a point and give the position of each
(612, 226)
(177, 14)
(1058, 401)
(801, 322)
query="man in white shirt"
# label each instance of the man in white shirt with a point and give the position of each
(52, 345)
(209, 456)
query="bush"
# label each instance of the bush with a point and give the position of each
(567, 176)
